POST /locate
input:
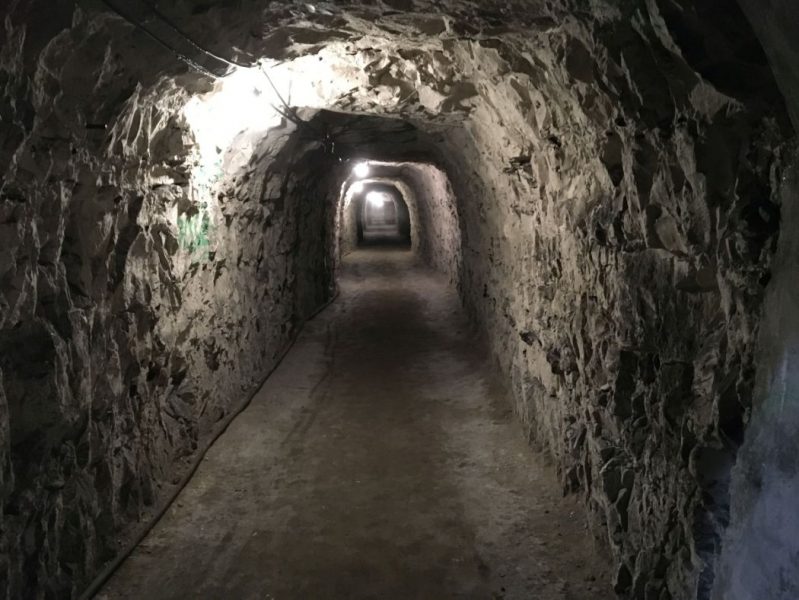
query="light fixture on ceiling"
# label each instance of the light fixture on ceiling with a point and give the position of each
(361, 170)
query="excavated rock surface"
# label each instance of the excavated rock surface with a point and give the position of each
(615, 169)
(138, 298)
(759, 556)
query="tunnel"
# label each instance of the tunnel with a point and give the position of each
(382, 215)
(376, 211)
(399, 299)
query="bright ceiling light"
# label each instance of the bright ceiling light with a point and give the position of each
(377, 199)
(240, 103)
(357, 187)
(361, 170)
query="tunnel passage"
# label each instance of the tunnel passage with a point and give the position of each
(378, 450)
(427, 202)
(378, 212)
(381, 215)
(167, 223)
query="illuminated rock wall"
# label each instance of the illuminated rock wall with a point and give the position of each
(617, 208)
(146, 290)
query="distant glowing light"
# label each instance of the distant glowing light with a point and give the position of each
(357, 187)
(361, 170)
(377, 199)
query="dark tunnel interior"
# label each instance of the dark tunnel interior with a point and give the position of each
(399, 299)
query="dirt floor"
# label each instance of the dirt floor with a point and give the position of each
(381, 460)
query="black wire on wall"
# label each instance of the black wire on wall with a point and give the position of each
(177, 29)
(193, 64)
(287, 112)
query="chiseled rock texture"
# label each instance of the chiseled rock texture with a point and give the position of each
(440, 245)
(760, 557)
(617, 251)
(140, 302)
(615, 169)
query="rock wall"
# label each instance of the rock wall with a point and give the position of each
(759, 557)
(621, 286)
(620, 212)
(615, 169)
(759, 554)
(143, 298)
(440, 238)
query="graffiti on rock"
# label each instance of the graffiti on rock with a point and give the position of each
(194, 234)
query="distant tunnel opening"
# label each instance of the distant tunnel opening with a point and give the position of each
(401, 203)
(382, 217)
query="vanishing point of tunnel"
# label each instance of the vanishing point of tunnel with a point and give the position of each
(399, 299)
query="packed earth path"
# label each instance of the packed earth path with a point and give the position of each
(380, 460)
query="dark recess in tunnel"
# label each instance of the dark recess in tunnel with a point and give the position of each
(393, 227)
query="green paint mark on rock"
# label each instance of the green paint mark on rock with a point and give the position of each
(194, 233)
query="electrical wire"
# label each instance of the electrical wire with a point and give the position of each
(102, 578)
(193, 64)
(294, 118)
(177, 29)
(288, 113)
(274, 87)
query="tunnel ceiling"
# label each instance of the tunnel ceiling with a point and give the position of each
(603, 187)
(421, 51)
(374, 138)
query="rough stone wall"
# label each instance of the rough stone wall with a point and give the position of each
(759, 556)
(440, 239)
(619, 218)
(141, 302)
(615, 168)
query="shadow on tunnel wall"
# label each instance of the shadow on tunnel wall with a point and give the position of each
(760, 556)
